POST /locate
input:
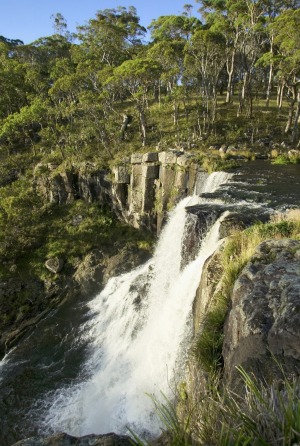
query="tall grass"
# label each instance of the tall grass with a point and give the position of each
(266, 416)
(263, 416)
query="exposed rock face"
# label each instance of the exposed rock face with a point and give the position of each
(63, 439)
(89, 273)
(264, 322)
(196, 377)
(142, 190)
(85, 182)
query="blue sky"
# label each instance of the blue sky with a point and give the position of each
(28, 20)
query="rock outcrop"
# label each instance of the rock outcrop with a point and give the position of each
(262, 329)
(140, 190)
(62, 439)
(64, 186)
(263, 326)
(145, 188)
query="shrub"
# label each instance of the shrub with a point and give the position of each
(281, 159)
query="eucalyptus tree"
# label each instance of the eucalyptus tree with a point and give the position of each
(170, 34)
(40, 58)
(111, 37)
(224, 16)
(169, 53)
(12, 80)
(59, 23)
(286, 29)
(205, 58)
(271, 10)
(21, 128)
(173, 27)
(133, 79)
(227, 20)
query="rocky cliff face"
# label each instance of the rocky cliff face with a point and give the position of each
(140, 190)
(64, 186)
(263, 326)
(147, 187)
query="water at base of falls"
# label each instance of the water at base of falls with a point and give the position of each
(138, 332)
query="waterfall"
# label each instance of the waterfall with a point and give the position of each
(211, 183)
(138, 331)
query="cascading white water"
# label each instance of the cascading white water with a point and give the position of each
(139, 324)
(215, 180)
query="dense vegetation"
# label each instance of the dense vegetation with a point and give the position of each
(231, 77)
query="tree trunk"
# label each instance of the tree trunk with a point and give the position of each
(290, 117)
(291, 109)
(296, 120)
(126, 120)
(280, 91)
(243, 96)
(269, 86)
(175, 113)
(230, 78)
(143, 125)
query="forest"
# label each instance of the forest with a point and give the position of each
(226, 74)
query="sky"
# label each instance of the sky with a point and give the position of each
(28, 20)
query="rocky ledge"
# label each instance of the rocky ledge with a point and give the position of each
(62, 439)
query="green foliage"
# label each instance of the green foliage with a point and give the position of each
(281, 159)
(178, 432)
(211, 164)
(207, 348)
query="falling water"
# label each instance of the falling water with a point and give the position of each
(138, 334)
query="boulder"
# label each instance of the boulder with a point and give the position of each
(127, 258)
(263, 326)
(293, 153)
(55, 265)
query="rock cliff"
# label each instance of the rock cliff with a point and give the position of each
(140, 190)
(263, 325)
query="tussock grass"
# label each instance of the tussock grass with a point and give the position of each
(263, 416)
(266, 416)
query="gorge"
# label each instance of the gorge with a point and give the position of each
(89, 373)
